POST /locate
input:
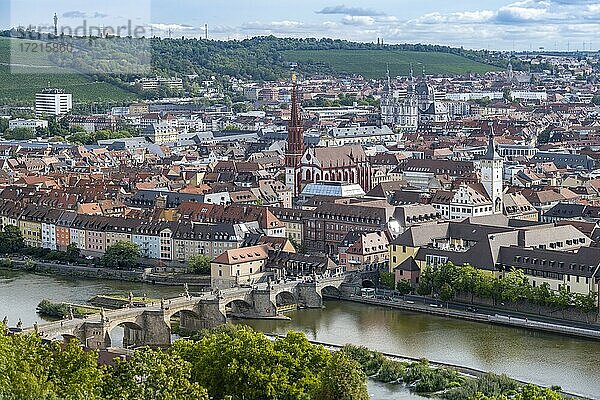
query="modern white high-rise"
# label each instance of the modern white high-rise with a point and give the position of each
(53, 102)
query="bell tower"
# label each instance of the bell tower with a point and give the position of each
(491, 167)
(295, 142)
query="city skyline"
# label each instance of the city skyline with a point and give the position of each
(497, 25)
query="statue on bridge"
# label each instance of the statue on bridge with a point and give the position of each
(20, 324)
(130, 299)
(162, 303)
(71, 315)
(5, 321)
(103, 316)
(186, 291)
(35, 327)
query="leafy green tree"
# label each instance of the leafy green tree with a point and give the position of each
(199, 264)
(391, 371)
(533, 392)
(3, 125)
(342, 380)
(244, 364)
(404, 286)
(446, 292)
(586, 303)
(20, 134)
(152, 374)
(121, 255)
(11, 240)
(541, 294)
(564, 297)
(425, 287)
(370, 361)
(30, 370)
(387, 280)
(512, 286)
(73, 252)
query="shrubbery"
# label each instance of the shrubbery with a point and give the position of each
(421, 377)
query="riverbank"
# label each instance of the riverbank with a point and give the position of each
(496, 319)
(145, 275)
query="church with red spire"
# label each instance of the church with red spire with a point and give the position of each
(295, 143)
(317, 164)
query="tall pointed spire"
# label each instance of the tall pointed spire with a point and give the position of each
(295, 113)
(295, 140)
(491, 153)
(387, 87)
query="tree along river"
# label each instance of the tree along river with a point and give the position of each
(545, 359)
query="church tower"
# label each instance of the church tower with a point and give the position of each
(491, 174)
(388, 102)
(295, 143)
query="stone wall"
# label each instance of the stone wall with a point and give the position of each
(526, 307)
(81, 271)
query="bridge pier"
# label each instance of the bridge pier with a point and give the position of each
(210, 313)
(308, 296)
(263, 302)
(156, 332)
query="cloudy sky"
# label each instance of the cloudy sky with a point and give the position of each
(492, 24)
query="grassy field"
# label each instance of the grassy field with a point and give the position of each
(21, 83)
(372, 63)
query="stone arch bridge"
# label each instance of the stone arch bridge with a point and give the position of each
(150, 325)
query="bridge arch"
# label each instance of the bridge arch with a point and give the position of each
(185, 321)
(126, 334)
(285, 298)
(237, 307)
(368, 283)
(331, 291)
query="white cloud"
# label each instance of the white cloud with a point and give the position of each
(351, 11)
(464, 17)
(519, 25)
(358, 20)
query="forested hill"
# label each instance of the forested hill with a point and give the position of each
(268, 58)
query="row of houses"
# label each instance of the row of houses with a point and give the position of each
(560, 255)
(55, 229)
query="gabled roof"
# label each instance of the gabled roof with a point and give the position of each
(243, 255)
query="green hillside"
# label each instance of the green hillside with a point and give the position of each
(22, 85)
(373, 63)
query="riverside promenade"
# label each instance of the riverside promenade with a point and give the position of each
(481, 314)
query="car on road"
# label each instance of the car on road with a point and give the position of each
(471, 309)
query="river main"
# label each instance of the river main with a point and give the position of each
(545, 359)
